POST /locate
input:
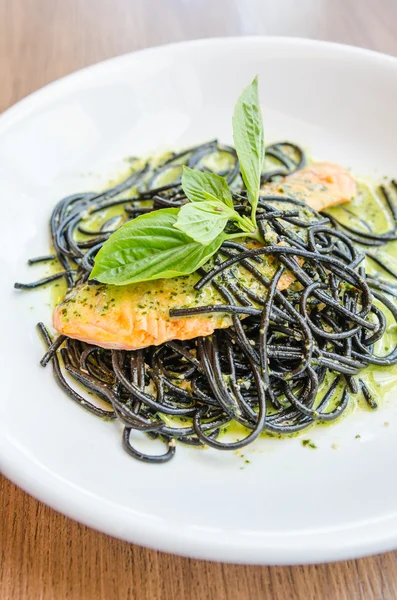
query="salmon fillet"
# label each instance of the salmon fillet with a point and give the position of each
(137, 315)
(320, 185)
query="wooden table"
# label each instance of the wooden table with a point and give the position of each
(43, 554)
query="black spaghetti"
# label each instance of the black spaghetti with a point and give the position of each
(291, 358)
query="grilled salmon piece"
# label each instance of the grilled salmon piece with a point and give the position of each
(320, 185)
(137, 315)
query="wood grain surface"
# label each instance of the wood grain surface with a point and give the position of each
(44, 555)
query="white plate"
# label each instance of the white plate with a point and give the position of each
(290, 504)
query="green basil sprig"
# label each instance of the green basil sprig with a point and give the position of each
(171, 242)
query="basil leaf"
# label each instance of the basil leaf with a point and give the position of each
(200, 186)
(203, 221)
(150, 247)
(249, 141)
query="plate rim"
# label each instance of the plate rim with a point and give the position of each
(66, 499)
